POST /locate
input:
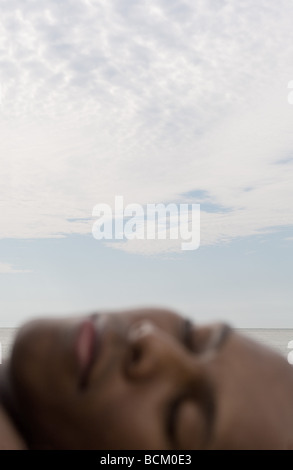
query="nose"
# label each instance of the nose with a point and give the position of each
(152, 352)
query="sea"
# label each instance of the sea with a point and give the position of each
(280, 339)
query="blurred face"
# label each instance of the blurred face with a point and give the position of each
(148, 379)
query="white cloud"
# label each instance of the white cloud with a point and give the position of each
(148, 99)
(6, 268)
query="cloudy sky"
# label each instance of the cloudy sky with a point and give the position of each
(160, 101)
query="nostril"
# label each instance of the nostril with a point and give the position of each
(135, 355)
(139, 357)
(135, 361)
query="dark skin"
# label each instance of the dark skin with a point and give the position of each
(145, 379)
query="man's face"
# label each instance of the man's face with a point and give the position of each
(149, 379)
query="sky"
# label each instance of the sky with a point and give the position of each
(158, 101)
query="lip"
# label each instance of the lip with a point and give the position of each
(87, 348)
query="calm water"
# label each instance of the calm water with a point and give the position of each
(276, 338)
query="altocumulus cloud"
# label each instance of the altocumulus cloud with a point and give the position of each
(155, 100)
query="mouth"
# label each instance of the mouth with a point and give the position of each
(87, 348)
